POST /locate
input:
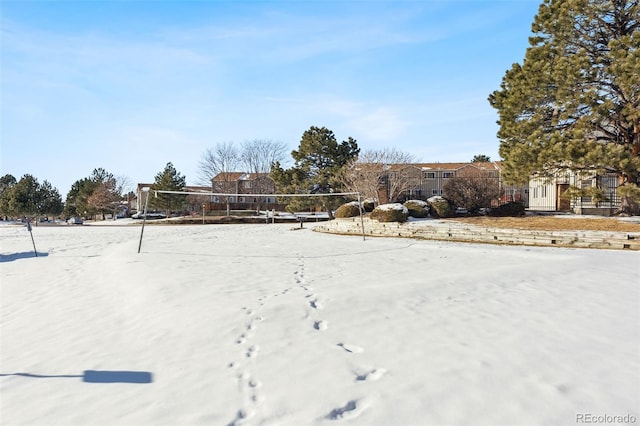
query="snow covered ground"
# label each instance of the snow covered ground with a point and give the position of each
(276, 325)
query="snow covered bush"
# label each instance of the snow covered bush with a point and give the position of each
(441, 207)
(394, 212)
(417, 208)
(348, 210)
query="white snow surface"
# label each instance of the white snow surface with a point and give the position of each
(419, 202)
(393, 206)
(277, 325)
(436, 198)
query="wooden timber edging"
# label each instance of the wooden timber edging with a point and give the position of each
(440, 230)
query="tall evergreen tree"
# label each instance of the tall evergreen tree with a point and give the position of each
(7, 181)
(105, 192)
(168, 180)
(319, 160)
(480, 158)
(50, 200)
(77, 203)
(23, 198)
(93, 195)
(27, 197)
(574, 102)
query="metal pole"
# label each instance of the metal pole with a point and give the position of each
(361, 219)
(32, 240)
(144, 218)
(203, 214)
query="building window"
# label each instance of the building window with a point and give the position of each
(246, 184)
(447, 175)
(434, 192)
(430, 175)
(241, 199)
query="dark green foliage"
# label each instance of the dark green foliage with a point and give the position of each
(168, 180)
(50, 200)
(390, 213)
(348, 210)
(481, 158)
(573, 102)
(7, 181)
(77, 203)
(27, 197)
(513, 209)
(97, 194)
(441, 207)
(318, 162)
(417, 208)
(630, 195)
(106, 194)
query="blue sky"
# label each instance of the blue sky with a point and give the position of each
(132, 85)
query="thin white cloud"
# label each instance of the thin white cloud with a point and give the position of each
(380, 124)
(291, 36)
(367, 122)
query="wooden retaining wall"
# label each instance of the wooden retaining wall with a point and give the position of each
(435, 229)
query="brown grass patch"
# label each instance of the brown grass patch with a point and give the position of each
(552, 223)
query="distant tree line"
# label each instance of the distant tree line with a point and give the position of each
(98, 194)
(321, 164)
(28, 197)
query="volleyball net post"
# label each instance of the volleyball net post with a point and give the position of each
(145, 190)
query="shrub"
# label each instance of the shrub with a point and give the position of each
(441, 207)
(348, 210)
(394, 212)
(471, 192)
(369, 204)
(630, 195)
(417, 208)
(509, 209)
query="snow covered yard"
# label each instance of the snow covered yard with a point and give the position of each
(275, 325)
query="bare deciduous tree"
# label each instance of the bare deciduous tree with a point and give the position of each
(252, 157)
(104, 196)
(472, 190)
(373, 171)
(258, 155)
(222, 158)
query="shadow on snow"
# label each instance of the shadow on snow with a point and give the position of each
(96, 376)
(24, 255)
